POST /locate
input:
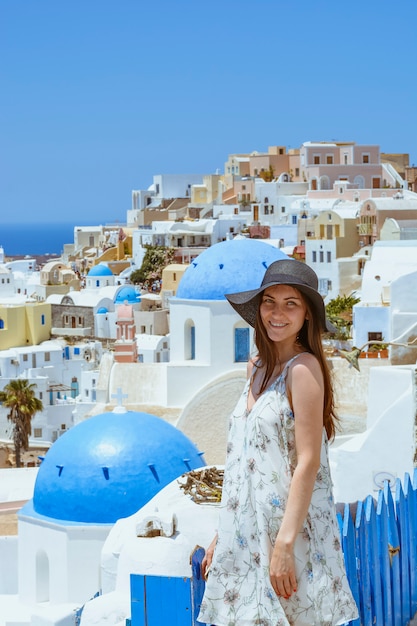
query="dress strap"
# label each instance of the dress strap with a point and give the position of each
(255, 365)
(284, 371)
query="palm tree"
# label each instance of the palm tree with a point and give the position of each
(19, 396)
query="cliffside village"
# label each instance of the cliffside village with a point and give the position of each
(138, 381)
(347, 210)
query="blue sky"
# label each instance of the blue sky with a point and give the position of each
(97, 96)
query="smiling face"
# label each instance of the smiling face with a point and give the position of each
(283, 312)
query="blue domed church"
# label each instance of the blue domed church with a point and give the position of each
(208, 332)
(210, 343)
(99, 276)
(103, 469)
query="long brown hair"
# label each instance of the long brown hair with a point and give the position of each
(310, 338)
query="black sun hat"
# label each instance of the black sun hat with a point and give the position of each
(283, 272)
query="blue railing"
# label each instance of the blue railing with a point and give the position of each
(379, 540)
(380, 547)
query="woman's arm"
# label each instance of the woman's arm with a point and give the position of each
(305, 387)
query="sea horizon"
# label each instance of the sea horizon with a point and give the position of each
(37, 238)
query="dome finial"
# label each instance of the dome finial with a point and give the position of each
(119, 408)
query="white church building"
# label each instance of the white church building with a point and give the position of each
(102, 470)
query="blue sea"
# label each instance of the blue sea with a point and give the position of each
(35, 239)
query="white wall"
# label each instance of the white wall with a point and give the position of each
(145, 383)
(389, 260)
(404, 306)
(7, 286)
(22, 265)
(176, 185)
(287, 232)
(386, 448)
(325, 271)
(8, 565)
(214, 323)
(88, 385)
(222, 226)
(72, 557)
(138, 251)
(226, 209)
(105, 325)
(370, 319)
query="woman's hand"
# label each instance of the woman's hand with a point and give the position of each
(282, 570)
(208, 557)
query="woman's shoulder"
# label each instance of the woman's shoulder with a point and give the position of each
(304, 361)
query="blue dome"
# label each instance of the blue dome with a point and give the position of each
(127, 293)
(100, 270)
(227, 267)
(109, 466)
(102, 310)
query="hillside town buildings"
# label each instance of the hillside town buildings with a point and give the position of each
(329, 204)
(103, 352)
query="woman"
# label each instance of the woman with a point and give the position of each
(277, 559)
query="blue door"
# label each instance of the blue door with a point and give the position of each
(241, 345)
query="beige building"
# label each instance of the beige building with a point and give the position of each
(56, 277)
(152, 317)
(171, 277)
(269, 165)
(340, 225)
(24, 324)
(237, 165)
(208, 191)
(411, 178)
(399, 161)
(330, 250)
(166, 210)
(276, 160)
(241, 192)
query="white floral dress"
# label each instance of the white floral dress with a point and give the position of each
(261, 459)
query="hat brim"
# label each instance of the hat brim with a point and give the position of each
(246, 303)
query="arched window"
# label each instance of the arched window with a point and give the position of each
(324, 182)
(266, 200)
(359, 181)
(189, 341)
(241, 345)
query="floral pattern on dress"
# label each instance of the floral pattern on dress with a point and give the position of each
(261, 459)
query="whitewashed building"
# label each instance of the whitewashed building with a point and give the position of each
(387, 310)
(65, 378)
(100, 471)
